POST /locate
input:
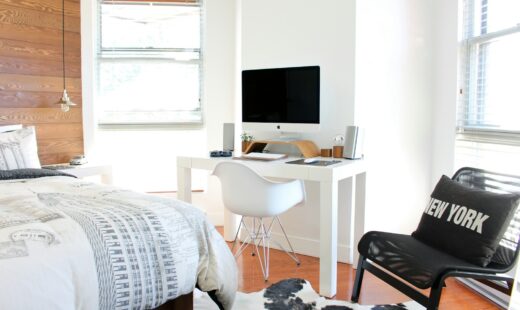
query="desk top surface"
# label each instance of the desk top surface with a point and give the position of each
(342, 161)
(275, 168)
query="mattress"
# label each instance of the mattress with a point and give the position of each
(71, 244)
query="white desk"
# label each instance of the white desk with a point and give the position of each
(87, 170)
(328, 177)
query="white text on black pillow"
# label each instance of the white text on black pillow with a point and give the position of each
(457, 214)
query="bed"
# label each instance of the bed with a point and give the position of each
(70, 244)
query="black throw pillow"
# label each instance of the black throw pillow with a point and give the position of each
(465, 222)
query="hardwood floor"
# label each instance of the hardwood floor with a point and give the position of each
(374, 291)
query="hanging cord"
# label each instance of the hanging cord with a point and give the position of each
(63, 39)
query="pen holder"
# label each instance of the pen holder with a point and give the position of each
(337, 151)
(326, 152)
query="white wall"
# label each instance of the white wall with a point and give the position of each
(220, 51)
(300, 33)
(394, 103)
(409, 75)
(219, 68)
(445, 87)
(305, 32)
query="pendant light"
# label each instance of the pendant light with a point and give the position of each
(65, 101)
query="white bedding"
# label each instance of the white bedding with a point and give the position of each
(70, 244)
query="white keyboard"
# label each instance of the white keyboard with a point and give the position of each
(265, 156)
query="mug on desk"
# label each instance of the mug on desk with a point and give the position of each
(326, 152)
(337, 151)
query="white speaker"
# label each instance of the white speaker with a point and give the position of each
(354, 137)
(228, 143)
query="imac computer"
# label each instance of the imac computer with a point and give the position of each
(281, 99)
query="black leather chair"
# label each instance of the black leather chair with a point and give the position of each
(423, 267)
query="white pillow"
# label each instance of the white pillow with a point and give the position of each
(10, 128)
(18, 149)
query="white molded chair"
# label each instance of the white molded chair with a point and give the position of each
(248, 194)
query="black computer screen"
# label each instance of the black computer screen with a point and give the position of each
(281, 95)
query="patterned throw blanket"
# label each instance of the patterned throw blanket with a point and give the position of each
(70, 244)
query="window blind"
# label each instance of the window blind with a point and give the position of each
(149, 62)
(488, 129)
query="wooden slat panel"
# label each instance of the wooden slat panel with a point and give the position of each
(33, 34)
(33, 66)
(39, 116)
(20, 49)
(61, 158)
(56, 131)
(31, 79)
(72, 68)
(47, 6)
(22, 99)
(37, 83)
(71, 131)
(14, 15)
(62, 145)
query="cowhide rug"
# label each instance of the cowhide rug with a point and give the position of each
(290, 294)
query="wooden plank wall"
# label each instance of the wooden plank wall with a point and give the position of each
(31, 73)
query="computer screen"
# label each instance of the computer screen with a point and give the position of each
(281, 95)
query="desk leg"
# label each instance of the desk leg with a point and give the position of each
(358, 226)
(184, 184)
(328, 238)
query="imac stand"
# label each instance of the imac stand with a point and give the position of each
(287, 137)
(306, 147)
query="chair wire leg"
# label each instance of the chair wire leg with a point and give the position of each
(291, 254)
(256, 234)
(250, 237)
(266, 248)
(260, 258)
(260, 235)
(261, 231)
(262, 239)
(236, 235)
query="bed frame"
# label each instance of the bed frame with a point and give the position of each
(184, 302)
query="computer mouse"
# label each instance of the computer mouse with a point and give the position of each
(310, 160)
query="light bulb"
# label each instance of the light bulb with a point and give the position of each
(65, 102)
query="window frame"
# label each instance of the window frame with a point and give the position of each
(485, 147)
(468, 79)
(151, 55)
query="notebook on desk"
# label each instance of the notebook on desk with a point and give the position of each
(263, 156)
(322, 163)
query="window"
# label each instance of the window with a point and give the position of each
(488, 124)
(149, 62)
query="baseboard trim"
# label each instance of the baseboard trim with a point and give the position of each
(309, 247)
(498, 298)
